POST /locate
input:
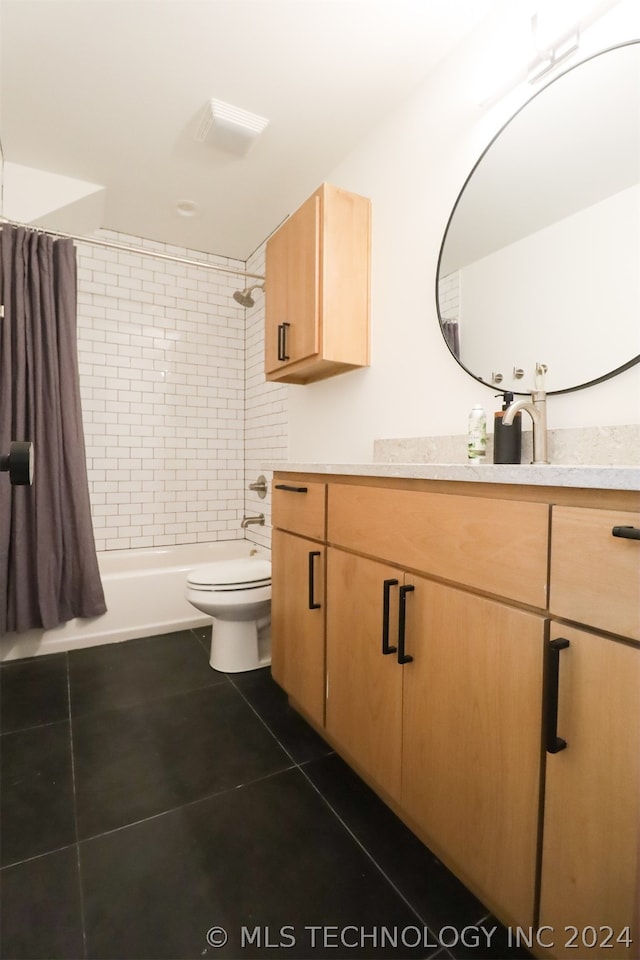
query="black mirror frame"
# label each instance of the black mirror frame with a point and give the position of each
(496, 387)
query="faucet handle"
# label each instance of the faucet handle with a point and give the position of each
(541, 369)
(260, 486)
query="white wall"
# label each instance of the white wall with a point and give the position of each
(412, 167)
(585, 276)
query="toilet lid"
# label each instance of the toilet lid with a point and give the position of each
(232, 573)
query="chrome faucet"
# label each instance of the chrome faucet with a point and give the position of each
(247, 520)
(537, 410)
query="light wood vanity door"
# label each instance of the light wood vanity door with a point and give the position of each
(364, 686)
(595, 577)
(472, 740)
(299, 506)
(497, 546)
(592, 795)
(297, 621)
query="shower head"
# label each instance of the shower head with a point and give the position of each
(244, 298)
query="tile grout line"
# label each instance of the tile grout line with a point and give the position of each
(75, 811)
(37, 856)
(363, 848)
(34, 726)
(148, 700)
(300, 767)
(262, 721)
(181, 806)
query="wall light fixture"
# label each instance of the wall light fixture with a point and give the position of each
(555, 29)
(549, 33)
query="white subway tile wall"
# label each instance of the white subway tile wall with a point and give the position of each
(266, 412)
(162, 377)
(449, 296)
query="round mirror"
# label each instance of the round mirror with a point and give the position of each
(540, 258)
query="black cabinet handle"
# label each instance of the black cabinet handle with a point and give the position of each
(386, 590)
(554, 743)
(312, 604)
(627, 533)
(282, 341)
(402, 619)
(290, 489)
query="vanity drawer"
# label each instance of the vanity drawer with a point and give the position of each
(498, 546)
(299, 506)
(595, 577)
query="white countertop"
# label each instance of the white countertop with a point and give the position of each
(546, 475)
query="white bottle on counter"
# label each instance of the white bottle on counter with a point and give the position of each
(477, 435)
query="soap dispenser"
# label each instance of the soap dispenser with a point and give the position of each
(507, 441)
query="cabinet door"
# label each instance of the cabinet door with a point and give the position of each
(472, 740)
(297, 621)
(592, 804)
(364, 687)
(292, 289)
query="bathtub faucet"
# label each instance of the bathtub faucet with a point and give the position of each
(247, 520)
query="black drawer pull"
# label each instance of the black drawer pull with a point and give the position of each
(290, 489)
(554, 743)
(402, 619)
(386, 590)
(282, 341)
(627, 533)
(312, 604)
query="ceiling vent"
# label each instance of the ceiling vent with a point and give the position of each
(230, 127)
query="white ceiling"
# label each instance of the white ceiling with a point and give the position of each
(113, 91)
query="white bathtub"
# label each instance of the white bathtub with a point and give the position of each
(144, 590)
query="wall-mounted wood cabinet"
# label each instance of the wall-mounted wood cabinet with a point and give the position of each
(317, 289)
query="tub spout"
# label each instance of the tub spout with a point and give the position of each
(247, 520)
(537, 410)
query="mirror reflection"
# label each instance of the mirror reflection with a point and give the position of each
(540, 258)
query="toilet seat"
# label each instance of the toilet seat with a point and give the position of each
(225, 576)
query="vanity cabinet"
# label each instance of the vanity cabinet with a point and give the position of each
(298, 595)
(317, 289)
(420, 673)
(589, 877)
(591, 838)
(482, 674)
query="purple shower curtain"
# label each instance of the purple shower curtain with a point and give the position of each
(48, 564)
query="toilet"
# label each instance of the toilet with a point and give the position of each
(237, 594)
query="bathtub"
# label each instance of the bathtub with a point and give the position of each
(144, 590)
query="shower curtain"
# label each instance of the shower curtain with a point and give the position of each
(451, 332)
(48, 564)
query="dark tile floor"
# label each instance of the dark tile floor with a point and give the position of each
(153, 808)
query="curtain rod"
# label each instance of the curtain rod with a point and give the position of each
(138, 251)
